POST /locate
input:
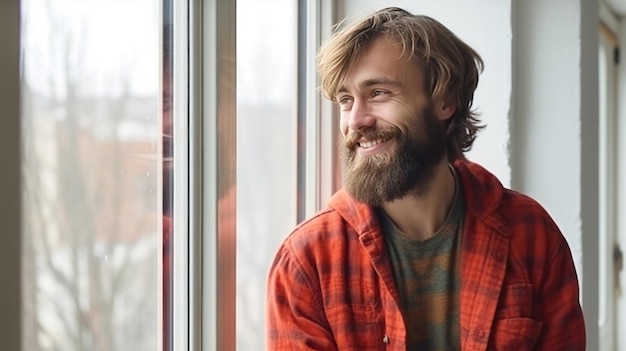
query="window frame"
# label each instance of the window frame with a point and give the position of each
(203, 103)
(201, 30)
(321, 118)
(608, 41)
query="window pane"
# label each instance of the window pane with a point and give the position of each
(93, 174)
(266, 151)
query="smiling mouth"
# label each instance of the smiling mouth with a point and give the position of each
(370, 144)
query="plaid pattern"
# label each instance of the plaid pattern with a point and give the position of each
(331, 285)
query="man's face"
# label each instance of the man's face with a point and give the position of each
(393, 139)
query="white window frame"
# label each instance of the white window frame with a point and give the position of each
(612, 163)
(202, 98)
(607, 184)
(621, 175)
(204, 95)
(322, 126)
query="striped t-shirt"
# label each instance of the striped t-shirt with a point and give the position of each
(426, 274)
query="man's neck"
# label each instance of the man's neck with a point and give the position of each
(420, 216)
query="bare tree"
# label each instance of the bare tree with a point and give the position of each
(91, 207)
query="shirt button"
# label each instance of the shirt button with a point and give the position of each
(480, 334)
(386, 339)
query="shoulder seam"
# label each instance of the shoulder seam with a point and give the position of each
(302, 273)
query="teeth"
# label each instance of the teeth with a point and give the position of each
(369, 144)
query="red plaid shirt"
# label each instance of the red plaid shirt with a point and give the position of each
(331, 285)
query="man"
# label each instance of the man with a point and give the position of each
(422, 249)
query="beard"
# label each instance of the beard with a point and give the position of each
(407, 168)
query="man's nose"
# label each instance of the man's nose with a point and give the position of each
(361, 116)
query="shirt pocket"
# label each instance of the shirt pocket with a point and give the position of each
(514, 334)
(355, 327)
(513, 327)
(516, 301)
(352, 315)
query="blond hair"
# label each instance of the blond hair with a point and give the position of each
(451, 68)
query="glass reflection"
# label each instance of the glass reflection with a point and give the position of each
(93, 174)
(266, 151)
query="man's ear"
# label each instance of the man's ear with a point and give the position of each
(444, 108)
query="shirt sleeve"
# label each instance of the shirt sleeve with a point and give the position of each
(559, 308)
(295, 314)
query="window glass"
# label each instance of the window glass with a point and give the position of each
(94, 174)
(266, 151)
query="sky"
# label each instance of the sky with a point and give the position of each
(116, 42)
(113, 44)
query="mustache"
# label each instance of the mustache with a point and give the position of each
(371, 133)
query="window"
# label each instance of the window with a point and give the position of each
(286, 159)
(96, 179)
(267, 151)
(167, 151)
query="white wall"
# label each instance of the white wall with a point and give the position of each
(538, 96)
(555, 126)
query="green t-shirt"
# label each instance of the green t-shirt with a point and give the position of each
(426, 274)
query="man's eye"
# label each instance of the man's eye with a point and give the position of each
(378, 93)
(344, 100)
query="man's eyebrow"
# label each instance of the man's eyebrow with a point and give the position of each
(374, 81)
